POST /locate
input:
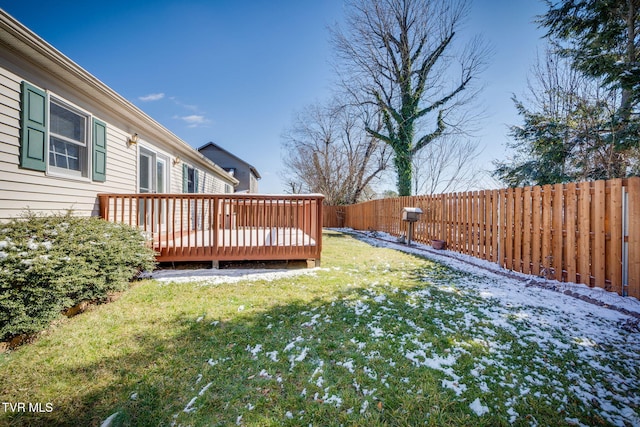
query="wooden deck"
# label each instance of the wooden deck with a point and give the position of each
(223, 227)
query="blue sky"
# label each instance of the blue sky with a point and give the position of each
(236, 72)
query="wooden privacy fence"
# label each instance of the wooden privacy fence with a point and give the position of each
(223, 227)
(586, 232)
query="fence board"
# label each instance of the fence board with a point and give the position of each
(526, 230)
(503, 228)
(473, 229)
(495, 233)
(457, 221)
(464, 224)
(633, 203)
(509, 218)
(558, 237)
(571, 210)
(614, 257)
(546, 253)
(487, 227)
(517, 230)
(536, 219)
(598, 221)
(458, 228)
(584, 240)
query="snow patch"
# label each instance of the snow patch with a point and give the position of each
(477, 407)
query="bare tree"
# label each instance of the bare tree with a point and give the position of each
(401, 56)
(327, 151)
(446, 165)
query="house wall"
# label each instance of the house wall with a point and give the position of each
(253, 183)
(22, 189)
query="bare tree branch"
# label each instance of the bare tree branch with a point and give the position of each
(400, 55)
(328, 151)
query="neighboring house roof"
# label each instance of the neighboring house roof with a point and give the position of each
(40, 54)
(253, 170)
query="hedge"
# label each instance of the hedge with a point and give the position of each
(49, 263)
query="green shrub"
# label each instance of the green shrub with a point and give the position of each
(51, 263)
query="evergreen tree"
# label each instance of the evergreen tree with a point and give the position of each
(571, 130)
(542, 151)
(602, 39)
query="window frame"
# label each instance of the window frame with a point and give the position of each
(156, 157)
(86, 160)
(191, 180)
(191, 186)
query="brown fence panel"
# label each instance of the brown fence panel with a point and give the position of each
(578, 232)
(333, 216)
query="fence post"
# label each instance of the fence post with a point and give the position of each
(633, 238)
(625, 242)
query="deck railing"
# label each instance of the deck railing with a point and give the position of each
(223, 227)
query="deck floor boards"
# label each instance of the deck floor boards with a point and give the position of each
(247, 237)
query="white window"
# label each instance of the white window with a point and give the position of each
(59, 139)
(68, 140)
(152, 178)
(152, 172)
(191, 180)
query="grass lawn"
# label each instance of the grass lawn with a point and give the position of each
(374, 337)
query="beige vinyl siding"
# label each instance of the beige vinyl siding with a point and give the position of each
(22, 189)
(207, 181)
(175, 177)
(211, 183)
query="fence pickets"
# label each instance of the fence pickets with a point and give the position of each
(576, 232)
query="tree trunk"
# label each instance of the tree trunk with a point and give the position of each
(403, 165)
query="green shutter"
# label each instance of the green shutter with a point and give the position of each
(99, 170)
(185, 178)
(195, 178)
(33, 126)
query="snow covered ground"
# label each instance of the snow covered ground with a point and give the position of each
(473, 265)
(209, 276)
(599, 346)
